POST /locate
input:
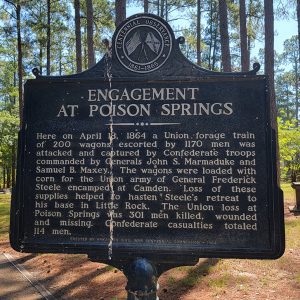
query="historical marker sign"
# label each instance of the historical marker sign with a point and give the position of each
(147, 154)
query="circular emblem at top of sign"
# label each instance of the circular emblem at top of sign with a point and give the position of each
(143, 43)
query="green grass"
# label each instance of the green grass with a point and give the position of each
(292, 230)
(220, 282)
(4, 213)
(194, 274)
(297, 277)
(5, 197)
(108, 268)
(288, 192)
(171, 280)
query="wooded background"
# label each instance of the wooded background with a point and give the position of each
(64, 37)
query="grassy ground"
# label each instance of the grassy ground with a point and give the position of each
(289, 197)
(4, 213)
(288, 191)
(74, 277)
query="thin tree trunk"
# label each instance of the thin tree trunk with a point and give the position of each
(8, 174)
(41, 58)
(199, 32)
(4, 177)
(297, 94)
(269, 53)
(166, 10)
(78, 36)
(158, 6)
(48, 35)
(243, 37)
(90, 32)
(15, 84)
(287, 97)
(146, 6)
(120, 11)
(211, 34)
(269, 69)
(249, 30)
(297, 81)
(20, 61)
(298, 19)
(13, 164)
(85, 49)
(60, 62)
(226, 60)
(214, 49)
(162, 6)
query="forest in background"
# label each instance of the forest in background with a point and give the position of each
(63, 37)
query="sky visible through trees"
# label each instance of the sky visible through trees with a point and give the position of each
(59, 39)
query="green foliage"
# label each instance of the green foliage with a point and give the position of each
(289, 145)
(9, 126)
(287, 81)
(62, 40)
(286, 95)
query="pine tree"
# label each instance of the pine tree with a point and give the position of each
(226, 59)
(78, 36)
(120, 6)
(90, 32)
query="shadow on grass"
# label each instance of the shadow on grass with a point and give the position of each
(22, 260)
(59, 294)
(79, 287)
(174, 289)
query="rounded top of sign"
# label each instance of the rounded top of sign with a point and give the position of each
(143, 43)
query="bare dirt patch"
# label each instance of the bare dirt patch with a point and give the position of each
(75, 277)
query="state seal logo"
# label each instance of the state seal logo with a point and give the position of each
(143, 44)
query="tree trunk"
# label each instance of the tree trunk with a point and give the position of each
(15, 85)
(20, 61)
(226, 60)
(199, 32)
(269, 69)
(298, 19)
(269, 54)
(211, 34)
(166, 10)
(249, 29)
(214, 50)
(146, 6)
(41, 58)
(90, 32)
(162, 7)
(4, 177)
(297, 82)
(8, 176)
(85, 64)
(48, 35)
(78, 36)
(120, 11)
(297, 94)
(243, 37)
(13, 165)
(60, 61)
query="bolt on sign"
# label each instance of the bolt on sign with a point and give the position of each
(148, 155)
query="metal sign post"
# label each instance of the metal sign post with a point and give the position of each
(147, 161)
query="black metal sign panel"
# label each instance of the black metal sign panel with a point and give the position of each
(133, 166)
